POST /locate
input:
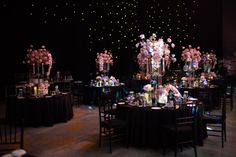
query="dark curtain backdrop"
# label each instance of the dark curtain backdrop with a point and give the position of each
(75, 31)
(229, 31)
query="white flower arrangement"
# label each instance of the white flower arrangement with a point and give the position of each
(156, 50)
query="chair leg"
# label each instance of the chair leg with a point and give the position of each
(195, 150)
(127, 138)
(195, 144)
(163, 144)
(100, 136)
(110, 145)
(181, 148)
(176, 149)
(225, 131)
(231, 103)
(222, 135)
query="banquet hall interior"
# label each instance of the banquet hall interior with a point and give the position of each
(152, 62)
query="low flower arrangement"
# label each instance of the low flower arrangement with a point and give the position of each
(148, 93)
(170, 87)
(163, 91)
(148, 88)
(106, 81)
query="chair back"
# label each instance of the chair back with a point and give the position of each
(185, 115)
(204, 96)
(105, 105)
(11, 135)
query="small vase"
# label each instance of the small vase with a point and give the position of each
(148, 98)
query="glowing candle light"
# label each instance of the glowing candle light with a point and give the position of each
(35, 91)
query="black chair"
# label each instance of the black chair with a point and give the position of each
(229, 95)
(215, 123)
(183, 130)
(78, 92)
(227, 89)
(110, 126)
(205, 97)
(11, 136)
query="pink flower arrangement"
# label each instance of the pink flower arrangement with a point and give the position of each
(98, 78)
(40, 56)
(104, 58)
(191, 55)
(170, 87)
(209, 61)
(148, 88)
(156, 51)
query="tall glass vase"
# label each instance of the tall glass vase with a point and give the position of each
(159, 80)
(106, 69)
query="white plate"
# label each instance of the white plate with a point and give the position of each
(18, 152)
(192, 99)
(156, 108)
(121, 103)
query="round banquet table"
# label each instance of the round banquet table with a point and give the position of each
(40, 111)
(145, 125)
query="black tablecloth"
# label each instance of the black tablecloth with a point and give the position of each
(93, 93)
(145, 125)
(44, 111)
(212, 100)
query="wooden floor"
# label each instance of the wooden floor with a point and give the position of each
(79, 138)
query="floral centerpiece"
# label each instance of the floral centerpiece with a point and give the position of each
(148, 93)
(105, 81)
(209, 61)
(163, 91)
(161, 95)
(39, 57)
(170, 87)
(104, 60)
(191, 56)
(154, 54)
(148, 88)
(43, 88)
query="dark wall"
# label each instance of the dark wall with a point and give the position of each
(71, 38)
(210, 20)
(229, 25)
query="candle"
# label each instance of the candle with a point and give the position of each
(35, 91)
